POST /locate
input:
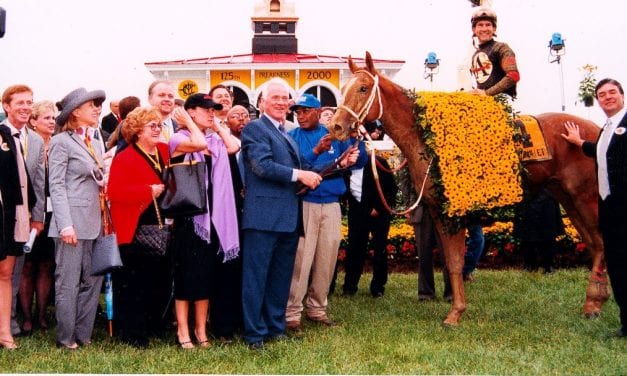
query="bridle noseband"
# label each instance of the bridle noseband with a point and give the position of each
(375, 92)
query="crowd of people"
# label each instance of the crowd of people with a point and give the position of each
(263, 254)
(60, 163)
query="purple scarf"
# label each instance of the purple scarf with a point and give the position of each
(224, 215)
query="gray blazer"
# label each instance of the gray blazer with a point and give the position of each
(35, 165)
(73, 191)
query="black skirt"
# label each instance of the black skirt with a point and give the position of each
(192, 261)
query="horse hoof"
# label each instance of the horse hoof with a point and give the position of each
(450, 324)
(592, 315)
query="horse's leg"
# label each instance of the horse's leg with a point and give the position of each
(583, 215)
(454, 247)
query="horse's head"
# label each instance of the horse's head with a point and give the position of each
(361, 100)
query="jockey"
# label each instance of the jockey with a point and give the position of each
(494, 63)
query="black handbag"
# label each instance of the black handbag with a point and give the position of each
(185, 189)
(105, 255)
(152, 240)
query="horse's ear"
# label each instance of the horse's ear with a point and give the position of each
(351, 64)
(370, 64)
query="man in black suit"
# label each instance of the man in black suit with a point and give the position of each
(368, 215)
(110, 122)
(610, 152)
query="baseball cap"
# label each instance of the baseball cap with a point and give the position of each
(306, 100)
(201, 100)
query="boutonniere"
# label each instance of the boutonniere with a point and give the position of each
(4, 146)
(619, 131)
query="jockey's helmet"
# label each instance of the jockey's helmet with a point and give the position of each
(483, 13)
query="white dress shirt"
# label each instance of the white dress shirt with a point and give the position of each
(602, 146)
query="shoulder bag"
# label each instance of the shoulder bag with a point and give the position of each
(152, 240)
(105, 254)
(185, 189)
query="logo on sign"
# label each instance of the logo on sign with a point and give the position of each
(187, 88)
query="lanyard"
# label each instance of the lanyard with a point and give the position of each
(155, 161)
(91, 150)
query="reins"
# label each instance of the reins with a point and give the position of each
(375, 174)
(374, 163)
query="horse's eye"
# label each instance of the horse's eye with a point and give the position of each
(363, 89)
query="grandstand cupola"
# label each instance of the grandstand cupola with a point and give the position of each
(274, 25)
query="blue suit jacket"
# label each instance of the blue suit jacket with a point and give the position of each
(270, 200)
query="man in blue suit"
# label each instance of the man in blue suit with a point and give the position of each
(610, 152)
(272, 217)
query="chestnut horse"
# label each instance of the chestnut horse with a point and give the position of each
(569, 175)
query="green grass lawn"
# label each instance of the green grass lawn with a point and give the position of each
(516, 323)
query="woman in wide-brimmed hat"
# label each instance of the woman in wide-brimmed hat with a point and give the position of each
(75, 179)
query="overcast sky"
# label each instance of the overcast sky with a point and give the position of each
(56, 46)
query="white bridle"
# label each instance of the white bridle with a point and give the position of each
(375, 92)
(359, 117)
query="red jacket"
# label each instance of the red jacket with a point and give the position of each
(128, 189)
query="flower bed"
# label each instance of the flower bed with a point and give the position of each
(501, 247)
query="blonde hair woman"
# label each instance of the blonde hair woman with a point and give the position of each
(37, 274)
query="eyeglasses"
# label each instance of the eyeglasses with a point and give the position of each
(303, 111)
(154, 126)
(239, 116)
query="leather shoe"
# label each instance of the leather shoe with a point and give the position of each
(256, 346)
(294, 327)
(324, 320)
(86, 342)
(71, 347)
